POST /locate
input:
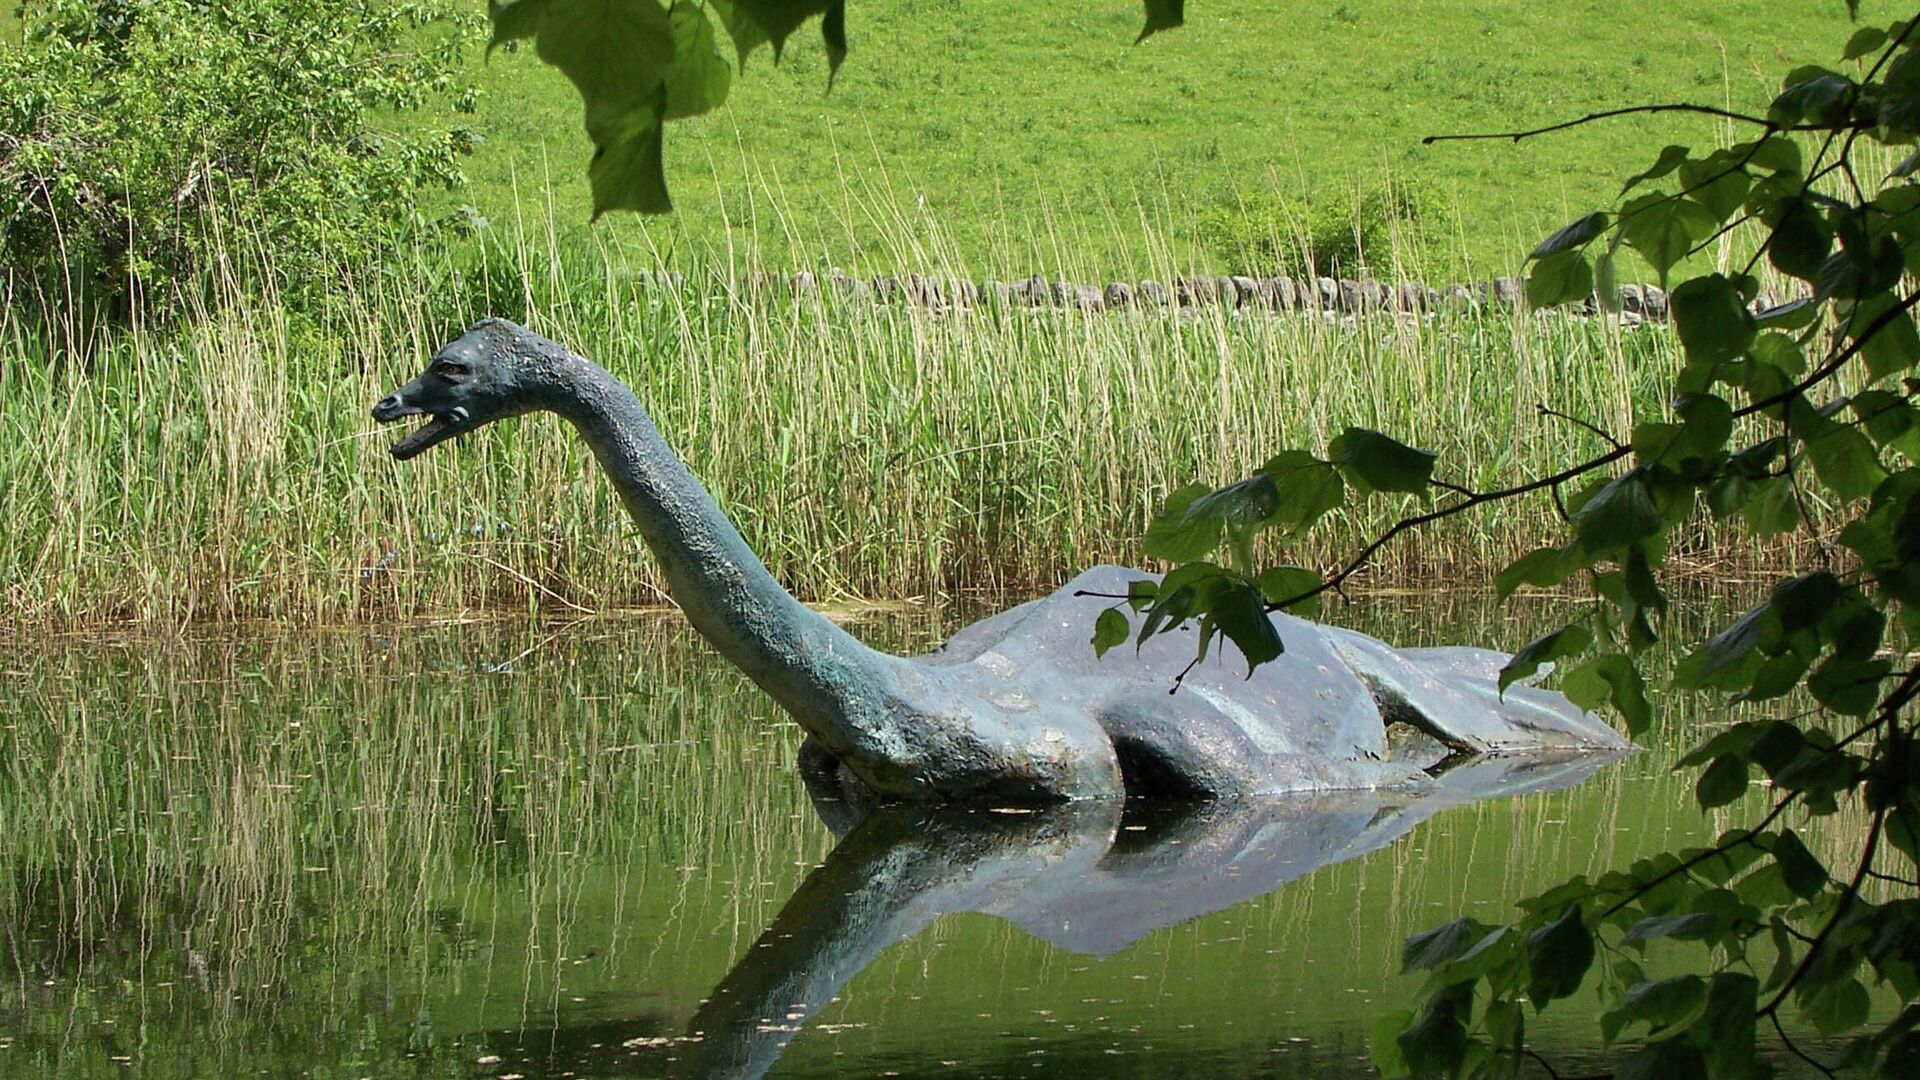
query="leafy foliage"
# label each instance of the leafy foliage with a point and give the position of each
(641, 63)
(134, 132)
(1811, 401)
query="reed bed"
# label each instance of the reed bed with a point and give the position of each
(216, 460)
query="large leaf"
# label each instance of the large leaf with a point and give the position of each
(617, 54)
(755, 22)
(1440, 944)
(1573, 236)
(1663, 229)
(1559, 279)
(1379, 462)
(1558, 955)
(1110, 629)
(514, 20)
(1546, 649)
(1162, 15)
(1307, 488)
(1712, 319)
(1178, 536)
(698, 78)
(1621, 513)
(1541, 567)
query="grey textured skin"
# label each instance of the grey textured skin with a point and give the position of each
(1069, 875)
(1016, 709)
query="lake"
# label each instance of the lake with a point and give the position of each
(549, 849)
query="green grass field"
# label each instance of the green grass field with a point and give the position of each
(1014, 139)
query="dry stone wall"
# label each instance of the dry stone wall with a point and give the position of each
(1323, 295)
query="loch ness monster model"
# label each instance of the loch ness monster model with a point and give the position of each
(1016, 709)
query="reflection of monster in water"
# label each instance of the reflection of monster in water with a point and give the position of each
(1090, 877)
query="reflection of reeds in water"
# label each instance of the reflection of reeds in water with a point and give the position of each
(212, 812)
(267, 837)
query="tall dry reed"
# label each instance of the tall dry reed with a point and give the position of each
(219, 463)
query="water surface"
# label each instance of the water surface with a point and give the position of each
(497, 849)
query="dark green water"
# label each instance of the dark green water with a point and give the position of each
(551, 850)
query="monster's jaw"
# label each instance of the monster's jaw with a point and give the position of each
(438, 429)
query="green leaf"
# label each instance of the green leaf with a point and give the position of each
(756, 22)
(1177, 537)
(1559, 279)
(1621, 513)
(1846, 462)
(1865, 40)
(1375, 461)
(1162, 15)
(1892, 345)
(699, 77)
(1436, 1041)
(1280, 584)
(1837, 1007)
(1716, 183)
(1776, 153)
(1887, 417)
(1723, 781)
(1440, 944)
(616, 53)
(1567, 641)
(1611, 678)
(514, 20)
(628, 170)
(1670, 159)
(1383, 1044)
(1820, 97)
(1723, 651)
(1801, 242)
(1542, 568)
(1689, 927)
(1667, 1007)
(1558, 955)
(1712, 319)
(1849, 687)
(1241, 613)
(1804, 600)
(1803, 873)
(1725, 1031)
(1248, 502)
(1709, 422)
(1572, 237)
(833, 34)
(1110, 629)
(1663, 229)
(1306, 488)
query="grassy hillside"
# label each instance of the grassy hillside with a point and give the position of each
(1015, 139)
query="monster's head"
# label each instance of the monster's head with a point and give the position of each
(494, 370)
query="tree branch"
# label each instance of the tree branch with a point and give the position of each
(1609, 114)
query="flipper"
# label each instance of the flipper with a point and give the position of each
(1453, 694)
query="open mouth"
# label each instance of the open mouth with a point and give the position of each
(438, 429)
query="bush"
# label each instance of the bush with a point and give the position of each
(1342, 231)
(140, 137)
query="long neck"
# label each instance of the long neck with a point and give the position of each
(819, 672)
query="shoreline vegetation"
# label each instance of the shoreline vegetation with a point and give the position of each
(214, 461)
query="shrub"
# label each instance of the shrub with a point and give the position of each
(139, 137)
(1344, 230)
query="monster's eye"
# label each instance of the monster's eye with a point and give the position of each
(452, 369)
